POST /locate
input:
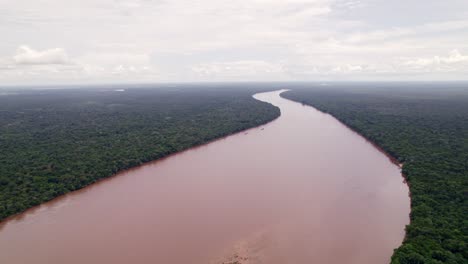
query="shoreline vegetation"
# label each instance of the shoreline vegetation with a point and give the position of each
(426, 133)
(53, 142)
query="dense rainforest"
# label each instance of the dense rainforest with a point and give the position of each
(53, 141)
(425, 127)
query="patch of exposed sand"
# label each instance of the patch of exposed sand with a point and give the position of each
(255, 249)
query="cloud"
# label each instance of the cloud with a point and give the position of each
(351, 4)
(186, 40)
(108, 63)
(406, 32)
(241, 69)
(453, 62)
(348, 68)
(28, 56)
(109, 58)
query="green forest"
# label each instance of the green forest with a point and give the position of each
(424, 126)
(53, 141)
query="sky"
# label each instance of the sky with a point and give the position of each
(124, 41)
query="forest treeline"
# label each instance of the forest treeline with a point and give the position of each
(426, 128)
(56, 141)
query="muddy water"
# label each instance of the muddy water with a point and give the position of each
(301, 189)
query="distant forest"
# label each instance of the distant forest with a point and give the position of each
(425, 127)
(56, 141)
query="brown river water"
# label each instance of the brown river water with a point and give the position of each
(301, 189)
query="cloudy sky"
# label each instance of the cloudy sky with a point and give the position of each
(102, 41)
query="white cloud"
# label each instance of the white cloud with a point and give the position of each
(405, 32)
(241, 69)
(455, 61)
(455, 57)
(349, 4)
(186, 40)
(27, 55)
(106, 58)
(348, 68)
(113, 64)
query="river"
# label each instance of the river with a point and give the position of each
(302, 189)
